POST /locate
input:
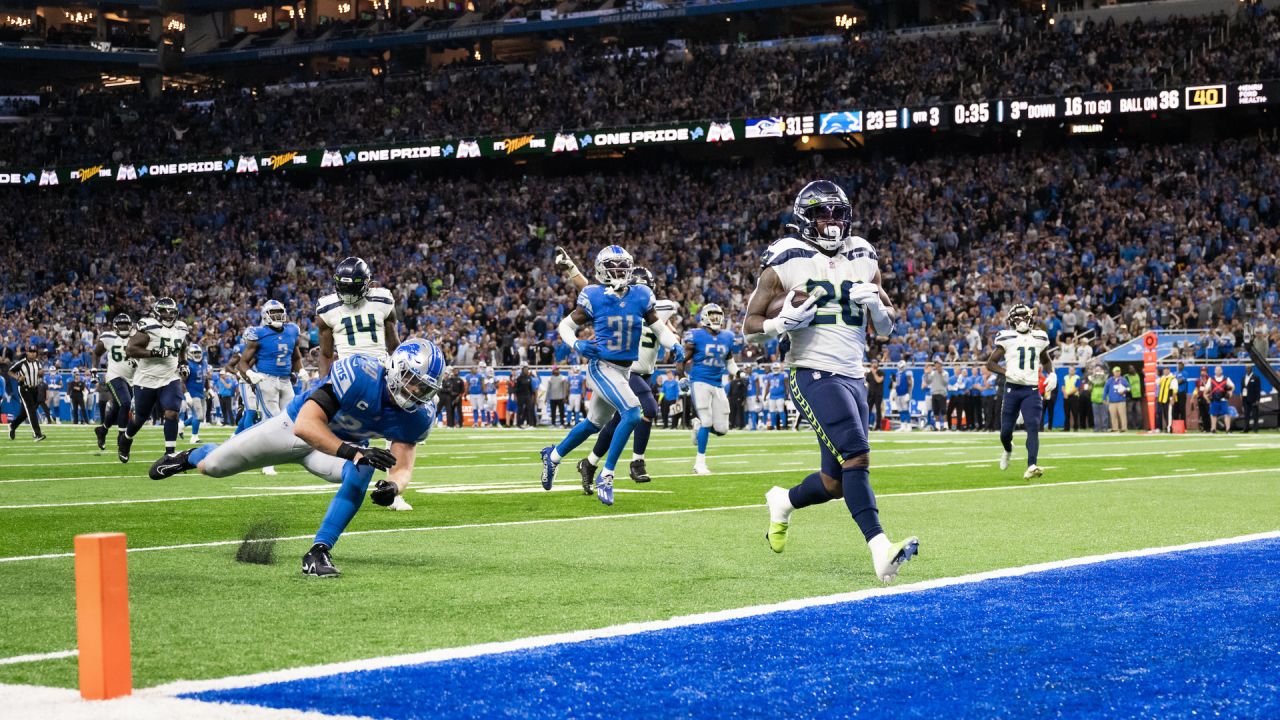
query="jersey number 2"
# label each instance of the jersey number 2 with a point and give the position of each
(359, 326)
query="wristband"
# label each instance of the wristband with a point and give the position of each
(347, 451)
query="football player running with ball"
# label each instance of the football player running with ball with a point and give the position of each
(828, 333)
(1026, 350)
(618, 311)
(326, 430)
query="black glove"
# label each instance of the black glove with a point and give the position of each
(384, 493)
(377, 457)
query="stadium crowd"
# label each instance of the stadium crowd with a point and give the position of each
(594, 86)
(1106, 243)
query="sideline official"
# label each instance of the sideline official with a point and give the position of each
(27, 372)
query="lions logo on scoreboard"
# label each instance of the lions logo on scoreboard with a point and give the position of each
(468, 149)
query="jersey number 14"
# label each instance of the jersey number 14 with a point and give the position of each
(359, 326)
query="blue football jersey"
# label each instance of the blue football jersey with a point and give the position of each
(275, 348)
(195, 378)
(575, 384)
(711, 353)
(618, 320)
(365, 407)
(475, 384)
(777, 385)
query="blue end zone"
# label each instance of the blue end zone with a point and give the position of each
(1193, 633)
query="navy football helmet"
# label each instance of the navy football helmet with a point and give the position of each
(122, 323)
(1020, 318)
(352, 280)
(166, 311)
(823, 201)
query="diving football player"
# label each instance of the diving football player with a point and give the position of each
(326, 430)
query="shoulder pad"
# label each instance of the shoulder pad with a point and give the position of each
(146, 324)
(667, 306)
(327, 303)
(1040, 334)
(689, 335)
(1005, 335)
(251, 334)
(179, 325)
(108, 335)
(784, 249)
(380, 295)
(857, 247)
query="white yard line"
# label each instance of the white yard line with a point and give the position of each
(29, 701)
(613, 631)
(657, 513)
(39, 657)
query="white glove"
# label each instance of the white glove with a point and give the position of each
(1050, 382)
(186, 398)
(794, 318)
(255, 377)
(565, 264)
(865, 294)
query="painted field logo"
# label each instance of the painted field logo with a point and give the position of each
(331, 158)
(277, 161)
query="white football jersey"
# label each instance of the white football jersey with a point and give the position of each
(836, 340)
(358, 329)
(1022, 354)
(647, 361)
(118, 364)
(156, 372)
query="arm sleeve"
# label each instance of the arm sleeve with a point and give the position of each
(568, 330)
(665, 336)
(324, 397)
(881, 320)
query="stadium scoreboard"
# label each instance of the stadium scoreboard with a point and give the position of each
(1081, 113)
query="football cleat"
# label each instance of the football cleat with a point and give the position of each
(700, 468)
(13, 433)
(1004, 459)
(317, 562)
(101, 432)
(638, 471)
(887, 565)
(400, 504)
(548, 468)
(778, 502)
(123, 443)
(195, 439)
(588, 473)
(169, 465)
(269, 470)
(604, 488)
(694, 427)
(1033, 472)
(41, 437)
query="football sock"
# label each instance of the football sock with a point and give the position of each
(603, 439)
(345, 503)
(810, 491)
(195, 426)
(703, 435)
(576, 437)
(879, 545)
(1006, 438)
(1033, 446)
(751, 420)
(636, 456)
(904, 416)
(246, 421)
(861, 501)
(620, 437)
(641, 434)
(200, 453)
(701, 459)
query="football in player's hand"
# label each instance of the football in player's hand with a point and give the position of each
(775, 307)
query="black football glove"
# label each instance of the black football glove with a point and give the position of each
(384, 493)
(377, 457)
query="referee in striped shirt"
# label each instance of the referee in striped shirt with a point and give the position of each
(28, 373)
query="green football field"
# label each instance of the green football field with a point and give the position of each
(487, 555)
